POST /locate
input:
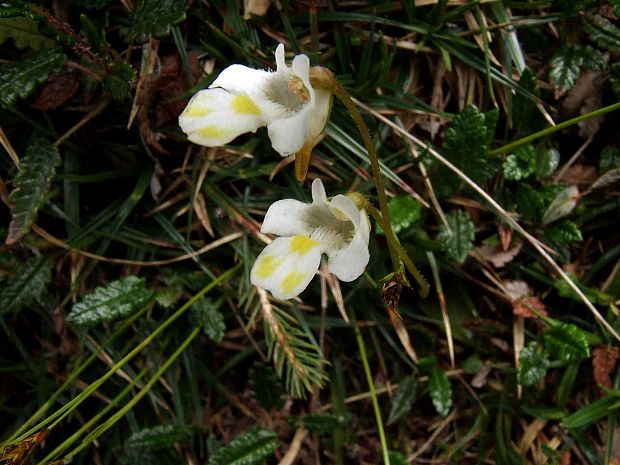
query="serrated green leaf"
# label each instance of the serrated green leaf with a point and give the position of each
(249, 448)
(193, 281)
(118, 82)
(565, 68)
(566, 64)
(25, 286)
(524, 113)
(405, 396)
(529, 202)
(440, 390)
(154, 18)
(563, 203)
(158, 437)
(592, 59)
(490, 121)
(405, 211)
(396, 458)
(460, 240)
(115, 300)
(610, 159)
(168, 297)
(567, 342)
(30, 186)
(473, 364)
(265, 386)
(547, 161)
(592, 412)
(469, 129)
(603, 32)
(564, 233)
(534, 364)
(521, 164)
(18, 80)
(209, 318)
(321, 423)
(25, 33)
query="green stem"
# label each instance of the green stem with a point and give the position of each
(145, 390)
(89, 424)
(402, 253)
(325, 79)
(66, 409)
(74, 375)
(551, 130)
(371, 387)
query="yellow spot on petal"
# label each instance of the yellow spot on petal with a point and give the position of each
(302, 245)
(291, 281)
(211, 132)
(267, 266)
(194, 111)
(244, 105)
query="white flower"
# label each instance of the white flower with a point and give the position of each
(243, 99)
(337, 228)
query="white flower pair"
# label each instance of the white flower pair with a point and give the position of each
(241, 100)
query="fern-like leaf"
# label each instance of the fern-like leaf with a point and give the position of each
(118, 82)
(154, 18)
(18, 80)
(521, 163)
(296, 358)
(25, 286)
(321, 423)
(473, 130)
(117, 299)
(603, 32)
(25, 33)
(404, 398)
(249, 448)
(566, 64)
(440, 389)
(158, 437)
(31, 185)
(209, 318)
(459, 239)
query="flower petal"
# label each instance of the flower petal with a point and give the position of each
(321, 107)
(215, 117)
(345, 206)
(301, 69)
(286, 266)
(318, 192)
(240, 79)
(286, 218)
(288, 135)
(290, 132)
(349, 263)
(280, 61)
